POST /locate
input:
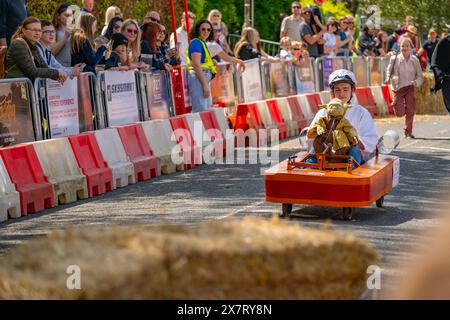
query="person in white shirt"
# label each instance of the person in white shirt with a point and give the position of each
(343, 83)
(290, 26)
(182, 37)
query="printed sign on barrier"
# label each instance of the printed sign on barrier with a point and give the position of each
(157, 95)
(304, 78)
(121, 97)
(251, 81)
(330, 65)
(16, 124)
(62, 101)
(279, 79)
(375, 71)
(359, 66)
(222, 88)
(187, 96)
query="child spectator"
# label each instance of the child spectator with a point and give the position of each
(63, 23)
(118, 59)
(286, 48)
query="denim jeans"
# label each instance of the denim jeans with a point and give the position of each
(354, 151)
(199, 102)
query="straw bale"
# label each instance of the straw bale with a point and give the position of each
(426, 102)
(246, 258)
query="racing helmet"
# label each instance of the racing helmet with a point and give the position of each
(341, 75)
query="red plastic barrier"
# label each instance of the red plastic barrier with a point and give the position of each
(192, 153)
(366, 99)
(296, 111)
(388, 98)
(213, 129)
(314, 101)
(137, 148)
(241, 117)
(25, 171)
(277, 118)
(91, 161)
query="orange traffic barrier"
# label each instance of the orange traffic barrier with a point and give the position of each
(388, 98)
(92, 164)
(366, 99)
(136, 146)
(214, 133)
(25, 171)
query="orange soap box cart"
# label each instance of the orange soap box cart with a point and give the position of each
(331, 184)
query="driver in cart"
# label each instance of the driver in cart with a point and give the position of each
(342, 84)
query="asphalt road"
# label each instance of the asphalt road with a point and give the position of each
(224, 191)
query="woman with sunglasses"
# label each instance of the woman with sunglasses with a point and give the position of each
(201, 66)
(111, 12)
(131, 30)
(152, 45)
(83, 48)
(23, 59)
(215, 17)
(345, 37)
(63, 23)
(113, 27)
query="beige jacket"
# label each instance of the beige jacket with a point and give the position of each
(405, 71)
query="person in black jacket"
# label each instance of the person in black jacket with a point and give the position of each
(12, 14)
(440, 64)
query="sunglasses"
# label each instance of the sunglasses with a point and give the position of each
(217, 30)
(295, 7)
(116, 26)
(155, 20)
(205, 29)
(307, 12)
(162, 31)
(134, 31)
(297, 49)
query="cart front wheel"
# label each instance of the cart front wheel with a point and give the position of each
(380, 202)
(347, 213)
(286, 210)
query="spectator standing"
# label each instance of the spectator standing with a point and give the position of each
(201, 66)
(216, 17)
(393, 38)
(152, 16)
(286, 48)
(63, 23)
(114, 26)
(290, 27)
(45, 49)
(12, 14)
(111, 12)
(366, 42)
(83, 47)
(23, 59)
(312, 40)
(249, 46)
(301, 54)
(381, 44)
(430, 45)
(440, 64)
(411, 34)
(87, 6)
(182, 37)
(344, 36)
(405, 73)
(317, 23)
(131, 30)
(153, 44)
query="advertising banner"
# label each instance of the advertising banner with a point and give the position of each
(330, 65)
(121, 98)
(157, 95)
(62, 102)
(251, 81)
(304, 78)
(16, 124)
(222, 87)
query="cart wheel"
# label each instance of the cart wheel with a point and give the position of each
(380, 202)
(286, 210)
(347, 213)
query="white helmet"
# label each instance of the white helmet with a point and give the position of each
(342, 75)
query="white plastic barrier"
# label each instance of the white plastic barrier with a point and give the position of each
(266, 119)
(306, 109)
(382, 106)
(325, 96)
(226, 131)
(158, 134)
(9, 197)
(60, 166)
(114, 154)
(198, 130)
(286, 113)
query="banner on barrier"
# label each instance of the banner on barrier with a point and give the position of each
(157, 95)
(304, 78)
(63, 107)
(222, 87)
(359, 66)
(187, 96)
(85, 105)
(330, 65)
(276, 77)
(121, 101)
(16, 123)
(251, 81)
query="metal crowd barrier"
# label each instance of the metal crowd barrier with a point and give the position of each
(249, 83)
(156, 94)
(67, 109)
(223, 87)
(20, 115)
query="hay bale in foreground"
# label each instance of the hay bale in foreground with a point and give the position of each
(235, 259)
(426, 102)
